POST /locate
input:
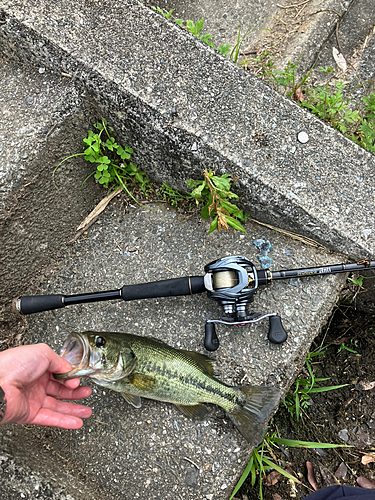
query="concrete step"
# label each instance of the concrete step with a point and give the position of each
(155, 451)
(316, 188)
(44, 118)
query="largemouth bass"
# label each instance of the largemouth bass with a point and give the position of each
(146, 367)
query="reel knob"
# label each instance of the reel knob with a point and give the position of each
(211, 342)
(276, 332)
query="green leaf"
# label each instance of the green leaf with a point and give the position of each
(224, 49)
(205, 38)
(243, 477)
(222, 182)
(100, 126)
(90, 158)
(139, 177)
(358, 281)
(197, 193)
(205, 213)
(325, 389)
(235, 224)
(213, 225)
(89, 139)
(307, 444)
(351, 116)
(274, 466)
(89, 151)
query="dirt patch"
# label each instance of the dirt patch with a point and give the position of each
(343, 416)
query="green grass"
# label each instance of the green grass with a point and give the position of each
(299, 396)
(263, 459)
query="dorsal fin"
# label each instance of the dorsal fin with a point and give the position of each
(205, 363)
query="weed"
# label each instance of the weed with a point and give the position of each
(358, 281)
(171, 196)
(298, 398)
(330, 105)
(343, 347)
(214, 194)
(365, 134)
(195, 29)
(109, 156)
(259, 462)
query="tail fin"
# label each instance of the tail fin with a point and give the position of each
(255, 405)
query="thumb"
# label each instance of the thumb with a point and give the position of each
(57, 364)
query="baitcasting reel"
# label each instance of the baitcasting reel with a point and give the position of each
(233, 282)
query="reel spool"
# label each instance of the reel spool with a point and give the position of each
(233, 282)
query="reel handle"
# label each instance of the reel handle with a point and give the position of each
(211, 341)
(276, 332)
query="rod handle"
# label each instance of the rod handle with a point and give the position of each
(166, 288)
(30, 304)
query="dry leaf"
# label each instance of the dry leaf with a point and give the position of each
(328, 478)
(341, 472)
(98, 209)
(367, 386)
(298, 95)
(276, 496)
(311, 476)
(368, 458)
(272, 478)
(340, 59)
(369, 484)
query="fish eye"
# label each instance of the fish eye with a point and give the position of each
(100, 341)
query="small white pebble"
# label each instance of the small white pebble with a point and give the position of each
(303, 137)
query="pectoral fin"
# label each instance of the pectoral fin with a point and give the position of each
(194, 411)
(133, 400)
(143, 383)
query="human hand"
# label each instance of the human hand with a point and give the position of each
(32, 394)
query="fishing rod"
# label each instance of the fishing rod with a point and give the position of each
(232, 281)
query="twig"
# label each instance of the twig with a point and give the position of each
(298, 13)
(292, 6)
(188, 459)
(81, 231)
(303, 239)
(99, 208)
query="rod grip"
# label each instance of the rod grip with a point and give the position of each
(166, 288)
(30, 304)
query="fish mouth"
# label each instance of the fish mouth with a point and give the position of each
(76, 350)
